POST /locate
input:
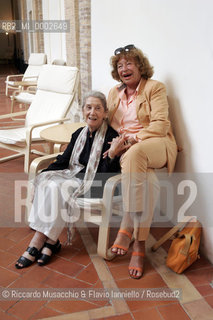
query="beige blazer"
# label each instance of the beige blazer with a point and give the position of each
(152, 112)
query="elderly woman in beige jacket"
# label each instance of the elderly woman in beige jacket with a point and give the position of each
(138, 111)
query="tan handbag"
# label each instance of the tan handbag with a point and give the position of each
(184, 248)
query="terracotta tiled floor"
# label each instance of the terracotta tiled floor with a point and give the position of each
(77, 267)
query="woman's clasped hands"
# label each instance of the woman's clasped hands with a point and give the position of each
(118, 146)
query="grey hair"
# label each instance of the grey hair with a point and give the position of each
(96, 94)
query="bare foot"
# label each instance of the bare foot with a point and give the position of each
(137, 260)
(122, 242)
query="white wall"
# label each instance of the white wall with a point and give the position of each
(54, 43)
(30, 35)
(177, 37)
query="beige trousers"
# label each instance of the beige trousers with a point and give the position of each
(140, 185)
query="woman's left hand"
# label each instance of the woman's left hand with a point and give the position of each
(117, 147)
(131, 141)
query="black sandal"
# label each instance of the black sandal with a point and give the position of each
(34, 252)
(55, 248)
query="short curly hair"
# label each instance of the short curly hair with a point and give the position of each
(140, 59)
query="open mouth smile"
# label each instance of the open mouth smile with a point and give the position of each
(127, 75)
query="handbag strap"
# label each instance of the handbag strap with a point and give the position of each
(168, 235)
(189, 238)
(187, 244)
(172, 232)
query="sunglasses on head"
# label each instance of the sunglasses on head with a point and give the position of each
(124, 49)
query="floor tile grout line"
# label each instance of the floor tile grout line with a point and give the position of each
(207, 295)
(158, 307)
(17, 242)
(68, 276)
(46, 306)
(56, 271)
(198, 269)
(156, 258)
(12, 307)
(93, 259)
(164, 274)
(92, 314)
(70, 260)
(96, 259)
(84, 281)
(208, 315)
(158, 311)
(106, 265)
(188, 314)
(77, 274)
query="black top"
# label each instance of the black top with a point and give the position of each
(105, 165)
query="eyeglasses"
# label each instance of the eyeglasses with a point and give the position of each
(126, 49)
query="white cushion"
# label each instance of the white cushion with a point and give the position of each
(47, 106)
(37, 59)
(10, 83)
(59, 79)
(35, 63)
(32, 71)
(18, 136)
(13, 136)
(25, 97)
(59, 62)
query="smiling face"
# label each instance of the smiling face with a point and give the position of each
(128, 72)
(94, 113)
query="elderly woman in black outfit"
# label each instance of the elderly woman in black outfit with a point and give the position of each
(70, 176)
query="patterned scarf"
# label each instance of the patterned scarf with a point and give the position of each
(75, 167)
